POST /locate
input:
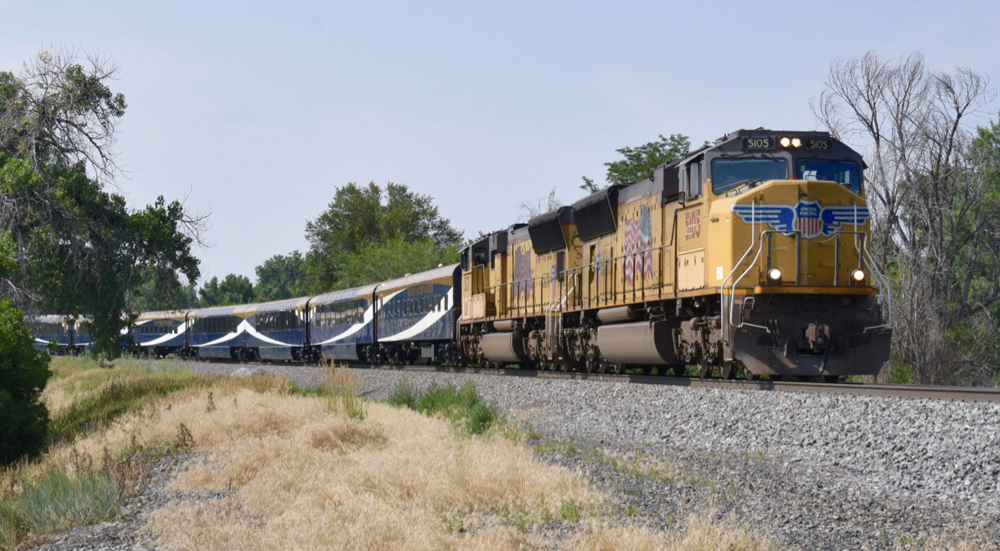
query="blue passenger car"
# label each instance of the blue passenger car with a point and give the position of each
(160, 333)
(341, 324)
(51, 332)
(276, 330)
(218, 332)
(416, 316)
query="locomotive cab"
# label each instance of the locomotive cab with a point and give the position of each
(790, 233)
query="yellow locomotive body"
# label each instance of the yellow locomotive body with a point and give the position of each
(749, 254)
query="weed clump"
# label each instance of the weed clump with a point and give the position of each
(464, 405)
(58, 501)
(343, 388)
(404, 395)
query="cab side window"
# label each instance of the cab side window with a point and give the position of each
(693, 180)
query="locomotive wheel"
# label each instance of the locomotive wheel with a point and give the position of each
(728, 370)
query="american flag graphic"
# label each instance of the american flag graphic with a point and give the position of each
(638, 246)
(807, 219)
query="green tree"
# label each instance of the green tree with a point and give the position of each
(638, 162)
(156, 290)
(931, 185)
(394, 258)
(233, 289)
(23, 374)
(361, 216)
(281, 277)
(77, 247)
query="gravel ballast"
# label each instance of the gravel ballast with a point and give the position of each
(812, 471)
(817, 471)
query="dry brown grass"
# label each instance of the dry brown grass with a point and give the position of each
(304, 477)
(295, 473)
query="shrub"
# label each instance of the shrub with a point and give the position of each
(480, 418)
(462, 405)
(56, 502)
(404, 395)
(23, 374)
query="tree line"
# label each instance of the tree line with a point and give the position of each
(367, 233)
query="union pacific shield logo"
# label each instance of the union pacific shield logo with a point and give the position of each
(808, 218)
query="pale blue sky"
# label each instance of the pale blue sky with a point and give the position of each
(257, 111)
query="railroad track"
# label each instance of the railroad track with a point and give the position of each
(963, 394)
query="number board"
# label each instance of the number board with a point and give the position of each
(817, 144)
(758, 144)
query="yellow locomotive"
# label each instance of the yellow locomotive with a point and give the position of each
(748, 255)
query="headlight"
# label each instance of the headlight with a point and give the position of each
(774, 274)
(790, 142)
(858, 275)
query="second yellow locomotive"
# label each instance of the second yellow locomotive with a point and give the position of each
(749, 255)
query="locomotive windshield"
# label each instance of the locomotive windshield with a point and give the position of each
(842, 172)
(729, 173)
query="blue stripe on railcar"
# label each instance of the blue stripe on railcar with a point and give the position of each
(341, 326)
(420, 313)
(216, 336)
(45, 335)
(159, 333)
(275, 344)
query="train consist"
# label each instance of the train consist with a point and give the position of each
(748, 256)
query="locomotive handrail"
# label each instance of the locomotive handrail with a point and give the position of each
(884, 289)
(732, 293)
(864, 254)
(600, 267)
(722, 288)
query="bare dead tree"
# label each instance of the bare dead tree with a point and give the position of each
(65, 112)
(932, 210)
(541, 205)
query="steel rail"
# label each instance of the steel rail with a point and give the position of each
(963, 394)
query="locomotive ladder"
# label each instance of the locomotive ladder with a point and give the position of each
(553, 320)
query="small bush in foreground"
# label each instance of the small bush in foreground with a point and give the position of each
(23, 374)
(56, 502)
(461, 405)
(404, 394)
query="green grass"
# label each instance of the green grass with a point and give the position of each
(462, 405)
(404, 395)
(57, 502)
